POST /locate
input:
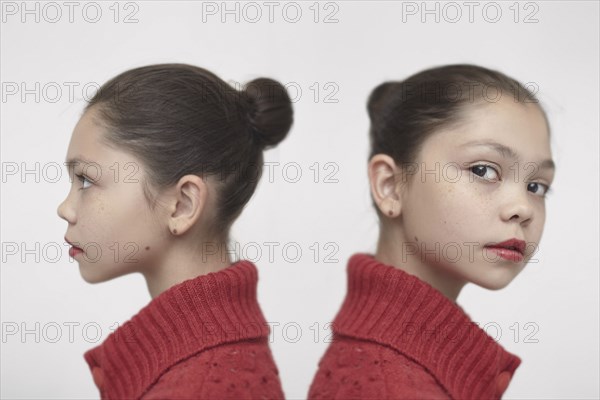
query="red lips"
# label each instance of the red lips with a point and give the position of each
(68, 241)
(511, 244)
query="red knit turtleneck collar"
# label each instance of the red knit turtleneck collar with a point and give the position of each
(391, 307)
(196, 314)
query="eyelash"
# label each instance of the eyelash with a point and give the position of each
(547, 192)
(81, 179)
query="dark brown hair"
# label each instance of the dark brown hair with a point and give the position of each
(180, 119)
(404, 114)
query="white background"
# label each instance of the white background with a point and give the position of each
(370, 42)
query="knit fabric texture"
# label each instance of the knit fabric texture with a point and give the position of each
(397, 337)
(204, 338)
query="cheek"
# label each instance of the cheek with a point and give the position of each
(537, 226)
(455, 210)
(129, 232)
(452, 211)
(134, 223)
(115, 217)
(431, 212)
(91, 216)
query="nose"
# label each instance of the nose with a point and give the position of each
(65, 211)
(518, 207)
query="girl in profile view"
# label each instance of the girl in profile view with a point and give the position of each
(459, 168)
(165, 158)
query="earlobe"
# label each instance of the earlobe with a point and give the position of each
(382, 173)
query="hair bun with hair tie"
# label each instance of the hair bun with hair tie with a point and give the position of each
(270, 113)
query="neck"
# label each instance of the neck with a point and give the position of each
(393, 249)
(180, 264)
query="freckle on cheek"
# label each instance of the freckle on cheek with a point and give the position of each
(147, 247)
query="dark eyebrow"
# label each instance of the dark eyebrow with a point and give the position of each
(73, 162)
(79, 159)
(507, 152)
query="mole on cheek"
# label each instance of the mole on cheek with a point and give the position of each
(416, 239)
(147, 247)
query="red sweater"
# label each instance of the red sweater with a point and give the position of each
(204, 338)
(397, 337)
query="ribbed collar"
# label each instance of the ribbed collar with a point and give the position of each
(391, 307)
(194, 315)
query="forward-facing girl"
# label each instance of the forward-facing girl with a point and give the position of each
(459, 169)
(165, 159)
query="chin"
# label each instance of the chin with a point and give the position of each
(92, 276)
(500, 282)
(92, 279)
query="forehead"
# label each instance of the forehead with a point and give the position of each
(87, 144)
(85, 136)
(521, 127)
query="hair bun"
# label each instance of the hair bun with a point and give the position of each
(380, 97)
(270, 111)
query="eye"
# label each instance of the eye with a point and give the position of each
(485, 171)
(539, 189)
(83, 179)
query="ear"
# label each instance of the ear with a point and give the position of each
(382, 171)
(187, 203)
